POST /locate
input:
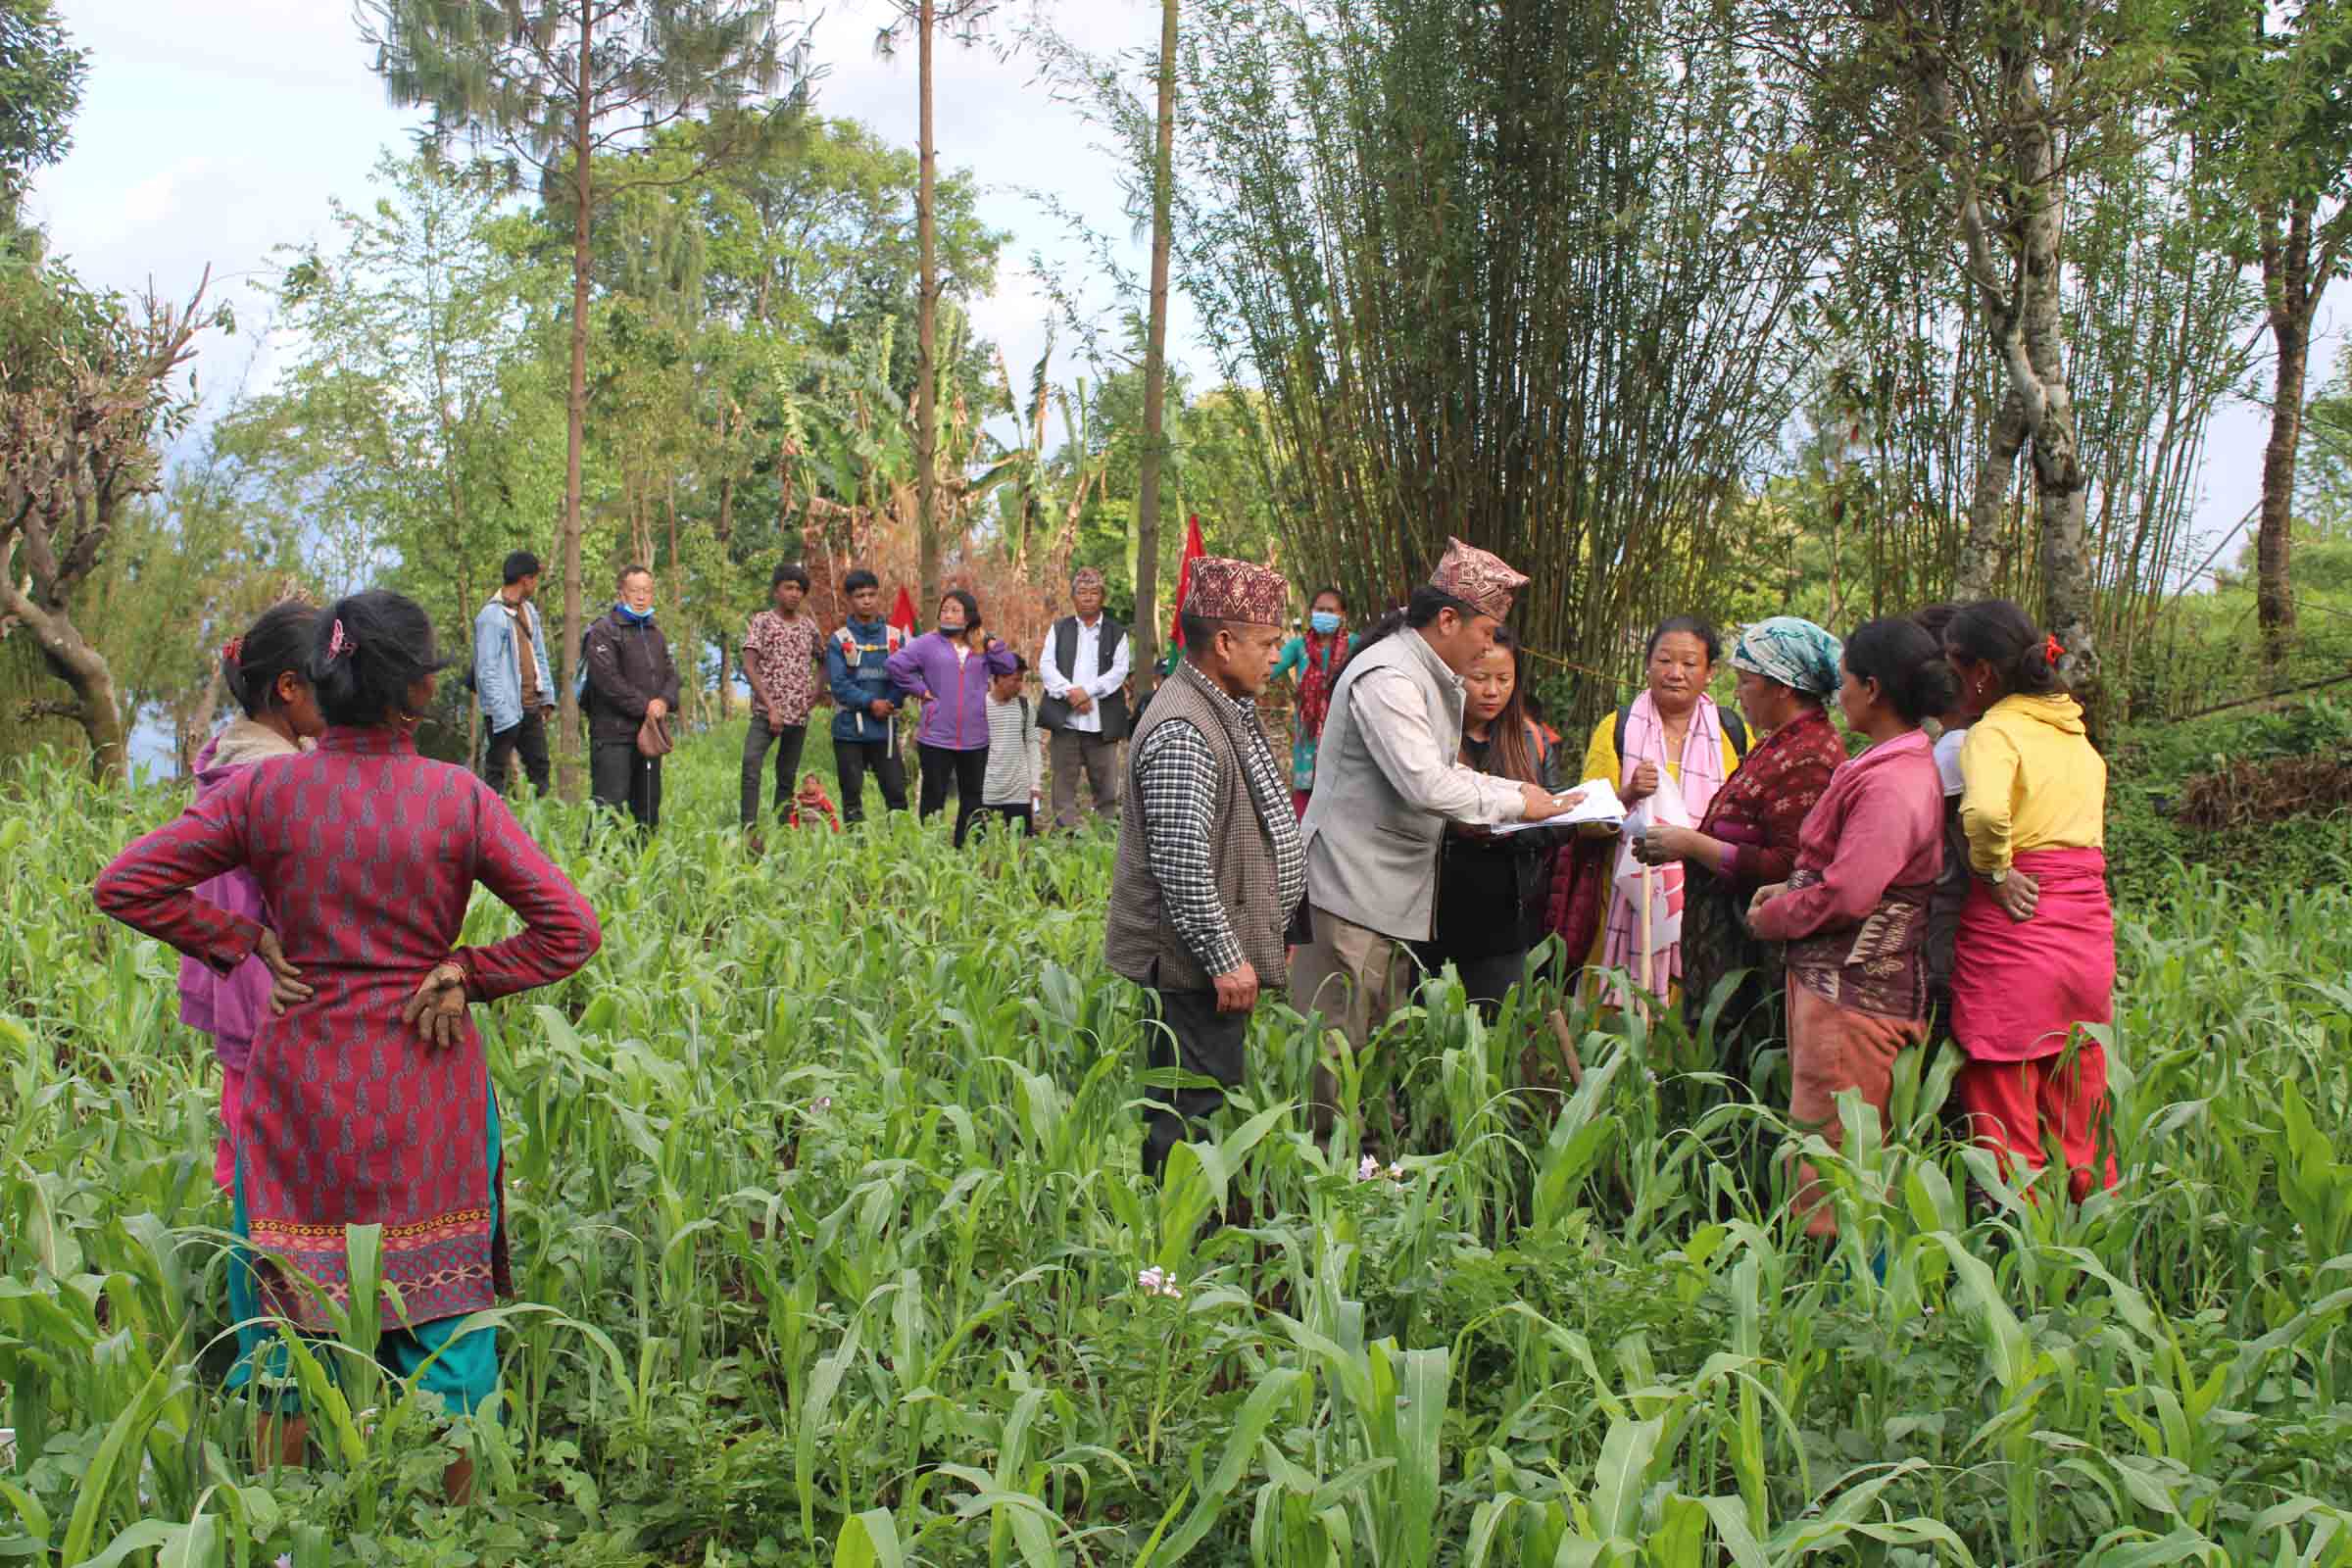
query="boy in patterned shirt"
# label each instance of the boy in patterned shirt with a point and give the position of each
(780, 652)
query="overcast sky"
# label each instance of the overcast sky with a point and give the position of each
(213, 131)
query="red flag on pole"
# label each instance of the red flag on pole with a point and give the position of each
(901, 612)
(1193, 551)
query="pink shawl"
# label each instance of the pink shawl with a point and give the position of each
(1701, 776)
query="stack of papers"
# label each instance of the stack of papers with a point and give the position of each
(1600, 804)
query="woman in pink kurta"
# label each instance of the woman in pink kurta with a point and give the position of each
(367, 1094)
(1855, 911)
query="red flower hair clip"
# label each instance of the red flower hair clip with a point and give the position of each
(2052, 652)
(233, 652)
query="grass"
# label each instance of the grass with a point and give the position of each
(828, 1234)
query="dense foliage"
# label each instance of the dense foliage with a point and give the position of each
(831, 1248)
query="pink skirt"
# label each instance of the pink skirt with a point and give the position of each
(2021, 987)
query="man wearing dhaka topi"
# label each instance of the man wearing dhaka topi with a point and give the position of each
(1210, 871)
(1389, 777)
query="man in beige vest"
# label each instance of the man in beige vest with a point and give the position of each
(1209, 869)
(1389, 777)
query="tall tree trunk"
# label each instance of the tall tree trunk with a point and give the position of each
(576, 422)
(1156, 357)
(926, 328)
(2289, 296)
(74, 659)
(2069, 580)
(1979, 575)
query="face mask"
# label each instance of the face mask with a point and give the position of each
(951, 628)
(1324, 621)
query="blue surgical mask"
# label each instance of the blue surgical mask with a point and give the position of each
(1325, 622)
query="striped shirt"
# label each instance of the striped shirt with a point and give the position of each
(1015, 757)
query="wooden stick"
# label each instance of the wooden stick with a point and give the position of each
(1559, 1029)
(1649, 961)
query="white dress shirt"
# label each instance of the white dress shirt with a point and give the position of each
(1059, 683)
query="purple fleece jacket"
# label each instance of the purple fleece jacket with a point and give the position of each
(230, 1006)
(954, 696)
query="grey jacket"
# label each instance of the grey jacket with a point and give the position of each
(1387, 779)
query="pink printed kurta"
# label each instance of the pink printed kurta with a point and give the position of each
(368, 855)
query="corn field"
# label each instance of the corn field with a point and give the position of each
(831, 1248)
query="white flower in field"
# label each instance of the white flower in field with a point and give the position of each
(1155, 1282)
(285, 1559)
(1368, 1169)
(1396, 1173)
(823, 1102)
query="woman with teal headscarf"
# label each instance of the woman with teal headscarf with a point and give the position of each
(1787, 670)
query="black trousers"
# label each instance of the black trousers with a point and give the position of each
(1185, 1031)
(627, 781)
(527, 740)
(969, 771)
(852, 758)
(788, 743)
(1025, 816)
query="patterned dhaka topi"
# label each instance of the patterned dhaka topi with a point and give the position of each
(1086, 577)
(1793, 651)
(1478, 578)
(1240, 591)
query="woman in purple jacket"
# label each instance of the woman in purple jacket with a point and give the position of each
(262, 671)
(949, 668)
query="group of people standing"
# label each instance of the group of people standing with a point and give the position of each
(1851, 906)
(317, 884)
(628, 689)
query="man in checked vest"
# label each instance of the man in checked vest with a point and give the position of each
(1209, 869)
(1083, 667)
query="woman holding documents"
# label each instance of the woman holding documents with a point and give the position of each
(1854, 912)
(1492, 887)
(1672, 748)
(1787, 670)
(2035, 960)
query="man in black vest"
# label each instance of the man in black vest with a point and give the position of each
(1084, 669)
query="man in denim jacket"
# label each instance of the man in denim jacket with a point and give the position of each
(511, 677)
(866, 704)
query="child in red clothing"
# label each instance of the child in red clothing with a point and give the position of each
(813, 806)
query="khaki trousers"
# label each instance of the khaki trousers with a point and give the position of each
(1352, 975)
(1072, 752)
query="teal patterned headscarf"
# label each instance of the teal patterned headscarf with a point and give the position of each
(1793, 651)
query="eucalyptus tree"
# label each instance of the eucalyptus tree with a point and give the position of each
(1982, 114)
(964, 21)
(414, 414)
(2270, 96)
(1519, 273)
(1155, 348)
(551, 83)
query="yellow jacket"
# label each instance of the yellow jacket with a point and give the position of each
(1601, 760)
(2033, 782)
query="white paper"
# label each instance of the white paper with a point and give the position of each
(1600, 804)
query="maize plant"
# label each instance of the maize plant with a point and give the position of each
(830, 1245)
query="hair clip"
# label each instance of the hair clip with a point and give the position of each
(337, 643)
(233, 652)
(2052, 652)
